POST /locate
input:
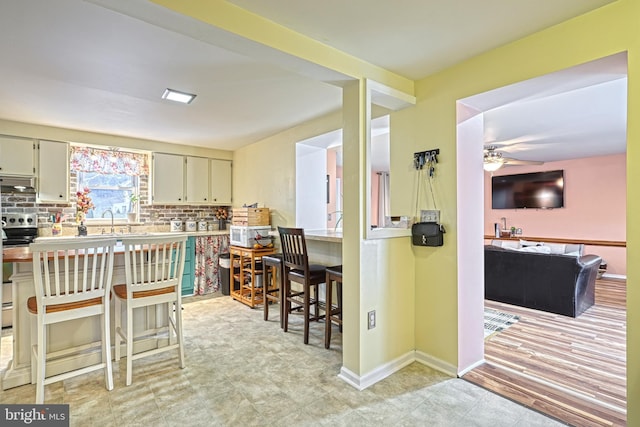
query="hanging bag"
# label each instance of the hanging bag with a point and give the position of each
(427, 234)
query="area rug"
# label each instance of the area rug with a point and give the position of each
(496, 321)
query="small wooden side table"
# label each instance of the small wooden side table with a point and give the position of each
(246, 259)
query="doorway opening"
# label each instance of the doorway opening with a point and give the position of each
(583, 133)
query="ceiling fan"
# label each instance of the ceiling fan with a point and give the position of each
(494, 160)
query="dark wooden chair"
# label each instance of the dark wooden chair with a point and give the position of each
(333, 311)
(273, 283)
(309, 276)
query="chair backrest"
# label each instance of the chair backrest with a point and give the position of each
(153, 262)
(72, 270)
(294, 248)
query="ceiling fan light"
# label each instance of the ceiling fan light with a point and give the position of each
(492, 166)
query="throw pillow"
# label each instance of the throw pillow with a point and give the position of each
(575, 254)
(524, 243)
(536, 249)
(509, 244)
(557, 248)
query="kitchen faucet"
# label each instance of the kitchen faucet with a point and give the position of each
(111, 213)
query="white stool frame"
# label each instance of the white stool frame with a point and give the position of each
(153, 264)
(68, 275)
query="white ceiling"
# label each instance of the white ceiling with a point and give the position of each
(574, 113)
(101, 65)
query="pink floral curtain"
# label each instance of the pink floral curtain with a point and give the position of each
(208, 249)
(89, 159)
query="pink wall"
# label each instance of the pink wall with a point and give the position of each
(595, 206)
(374, 198)
(332, 172)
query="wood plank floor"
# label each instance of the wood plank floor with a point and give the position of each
(571, 369)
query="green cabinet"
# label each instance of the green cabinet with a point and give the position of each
(189, 275)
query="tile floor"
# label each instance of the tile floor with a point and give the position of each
(242, 371)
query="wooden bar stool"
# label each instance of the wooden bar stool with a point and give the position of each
(333, 312)
(298, 269)
(154, 267)
(273, 283)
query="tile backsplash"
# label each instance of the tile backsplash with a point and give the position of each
(157, 215)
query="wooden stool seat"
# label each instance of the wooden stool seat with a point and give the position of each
(121, 292)
(273, 283)
(32, 305)
(333, 312)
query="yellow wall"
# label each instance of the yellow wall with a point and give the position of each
(264, 172)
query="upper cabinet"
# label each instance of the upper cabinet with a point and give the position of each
(197, 179)
(53, 172)
(168, 178)
(220, 181)
(16, 156)
(190, 180)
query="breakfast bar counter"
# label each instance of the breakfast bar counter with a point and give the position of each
(332, 236)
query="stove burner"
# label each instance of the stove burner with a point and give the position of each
(14, 220)
(21, 228)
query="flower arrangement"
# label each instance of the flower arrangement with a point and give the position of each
(221, 214)
(83, 204)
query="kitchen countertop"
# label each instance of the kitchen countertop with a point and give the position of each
(318, 235)
(324, 235)
(23, 254)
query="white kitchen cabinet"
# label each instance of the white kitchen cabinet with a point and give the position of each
(16, 156)
(190, 180)
(197, 180)
(220, 182)
(53, 172)
(168, 178)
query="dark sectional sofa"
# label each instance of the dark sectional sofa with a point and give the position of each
(556, 283)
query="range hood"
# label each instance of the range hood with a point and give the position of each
(13, 184)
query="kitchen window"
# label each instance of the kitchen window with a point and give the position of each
(109, 191)
(112, 176)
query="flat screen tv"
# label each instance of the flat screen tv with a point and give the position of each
(537, 190)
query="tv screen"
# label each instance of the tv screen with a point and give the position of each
(539, 190)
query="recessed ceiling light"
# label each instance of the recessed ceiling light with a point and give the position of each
(176, 95)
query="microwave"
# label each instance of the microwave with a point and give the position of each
(241, 235)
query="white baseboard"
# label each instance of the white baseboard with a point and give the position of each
(382, 372)
(437, 364)
(614, 276)
(471, 367)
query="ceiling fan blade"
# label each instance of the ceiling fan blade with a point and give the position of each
(515, 162)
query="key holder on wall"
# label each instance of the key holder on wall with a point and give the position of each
(424, 158)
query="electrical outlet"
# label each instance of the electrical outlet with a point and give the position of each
(430, 216)
(372, 319)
